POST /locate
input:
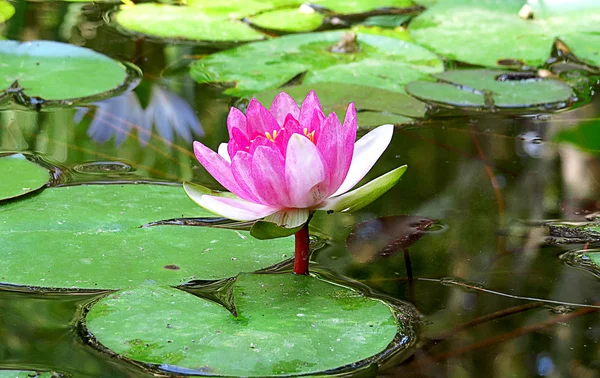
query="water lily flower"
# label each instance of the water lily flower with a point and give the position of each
(281, 165)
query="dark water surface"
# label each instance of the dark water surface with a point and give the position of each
(496, 299)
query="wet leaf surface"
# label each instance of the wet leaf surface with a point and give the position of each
(93, 236)
(19, 176)
(291, 20)
(259, 66)
(375, 106)
(489, 89)
(488, 32)
(386, 236)
(285, 324)
(54, 71)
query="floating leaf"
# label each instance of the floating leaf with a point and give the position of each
(491, 89)
(89, 237)
(285, 324)
(375, 106)
(385, 236)
(56, 72)
(491, 33)
(6, 11)
(259, 66)
(588, 259)
(185, 22)
(288, 20)
(585, 46)
(19, 176)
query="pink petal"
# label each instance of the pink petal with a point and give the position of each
(241, 168)
(304, 173)
(219, 168)
(268, 171)
(283, 105)
(367, 151)
(236, 119)
(290, 127)
(234, 208)
(336, 145)
(238, 142)
(259, 120)
(310, 105)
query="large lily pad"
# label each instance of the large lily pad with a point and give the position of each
(6, 10)
(375, 106)
(19, 176)
(491, 33)
(210, 20)
(585, 46)
(491, 89)
(285, 324)
(89, 237)
(54, 71)
(259, 66)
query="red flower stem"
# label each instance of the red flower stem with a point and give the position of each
(302, 256)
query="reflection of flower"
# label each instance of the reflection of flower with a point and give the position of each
(119, 116)
(284, 163)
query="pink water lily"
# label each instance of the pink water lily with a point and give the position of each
(281, 164)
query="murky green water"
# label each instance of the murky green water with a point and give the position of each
(496, 299)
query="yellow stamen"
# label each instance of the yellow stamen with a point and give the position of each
(272, 138)
(310, 135)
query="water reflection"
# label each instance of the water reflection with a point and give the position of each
(120, 116)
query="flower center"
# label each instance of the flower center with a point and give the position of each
(272, 138)
(310, 135)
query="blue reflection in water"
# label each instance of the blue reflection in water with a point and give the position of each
(118, 116)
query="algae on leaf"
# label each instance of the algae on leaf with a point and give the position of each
(259, 66)
(91, 237)
(278, 324)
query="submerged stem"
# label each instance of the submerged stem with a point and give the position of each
(302, 256)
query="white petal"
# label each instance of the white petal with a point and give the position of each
(289, 218)
(304, 172)
(234, 208)
(366, 152)
(222, 150)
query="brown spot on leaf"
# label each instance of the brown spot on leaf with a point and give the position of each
(172, 267)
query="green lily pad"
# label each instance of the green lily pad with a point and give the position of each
(25, 374)
(375, 106)
(585, 46)
(89, 237)
(574, 232)
(57, 72)
(292, 20)
(285, 324)
(585, 136)
(19, 176)
(184, 22)
(588, 260)
(491, 33)
(259, 66)
(361, 6)
(491, 89)
(6, 11)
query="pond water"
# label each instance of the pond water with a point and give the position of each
(461, 236)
